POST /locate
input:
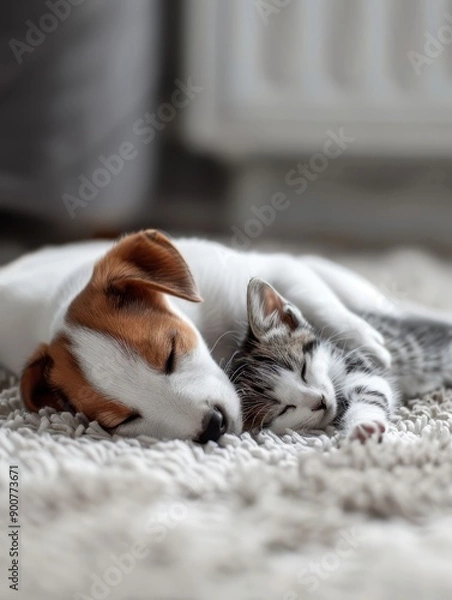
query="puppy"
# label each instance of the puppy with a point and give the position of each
(118, 331)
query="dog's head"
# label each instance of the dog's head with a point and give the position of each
(127, 358)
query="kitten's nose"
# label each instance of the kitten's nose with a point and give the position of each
(321, 405)
(215, 424)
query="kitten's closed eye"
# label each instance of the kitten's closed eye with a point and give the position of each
(303, 372)
(286, 409)
(310, 346)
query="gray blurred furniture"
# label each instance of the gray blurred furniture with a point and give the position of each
(74, 77)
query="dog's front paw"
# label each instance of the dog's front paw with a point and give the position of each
(369, 341)
(367, 429)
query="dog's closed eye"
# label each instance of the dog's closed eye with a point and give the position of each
(132, 418)
(171, 360)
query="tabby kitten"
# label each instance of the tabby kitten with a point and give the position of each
(289, 377)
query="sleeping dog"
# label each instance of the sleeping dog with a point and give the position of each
(120, 331)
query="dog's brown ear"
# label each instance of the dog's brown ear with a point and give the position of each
(148, 259)
(35, 386)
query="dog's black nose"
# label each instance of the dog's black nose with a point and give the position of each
(215, 424)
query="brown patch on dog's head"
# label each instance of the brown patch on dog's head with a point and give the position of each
(124, 299)
(53, 378)
(35, 386)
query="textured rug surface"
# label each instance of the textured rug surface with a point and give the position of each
(249, 518)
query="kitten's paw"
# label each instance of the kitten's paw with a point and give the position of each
(367, 429)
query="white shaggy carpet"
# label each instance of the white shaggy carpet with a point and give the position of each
(248, 519)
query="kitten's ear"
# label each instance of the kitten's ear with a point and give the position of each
(267, 310)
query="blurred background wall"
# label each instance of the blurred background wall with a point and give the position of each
(325, 121)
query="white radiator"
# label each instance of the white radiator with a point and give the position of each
(278, 74)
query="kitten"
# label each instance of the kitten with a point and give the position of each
(289, 377)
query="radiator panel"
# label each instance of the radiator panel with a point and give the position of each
(277, 84)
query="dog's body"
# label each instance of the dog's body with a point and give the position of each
(116, 330)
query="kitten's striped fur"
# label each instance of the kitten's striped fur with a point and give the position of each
(289, 377)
